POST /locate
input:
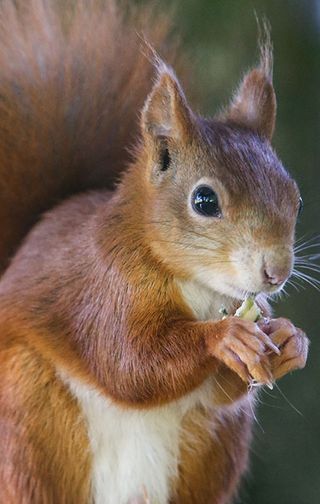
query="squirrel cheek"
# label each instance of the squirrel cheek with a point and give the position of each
(262, 269)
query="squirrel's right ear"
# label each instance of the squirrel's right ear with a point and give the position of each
(254, 104)
(166, 112)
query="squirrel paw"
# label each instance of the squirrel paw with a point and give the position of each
(293, 345)
(242, 347)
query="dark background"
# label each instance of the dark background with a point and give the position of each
(220, 40)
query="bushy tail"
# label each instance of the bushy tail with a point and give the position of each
(73, 78)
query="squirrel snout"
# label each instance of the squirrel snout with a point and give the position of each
(275, 275)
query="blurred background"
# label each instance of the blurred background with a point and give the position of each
(220, 37)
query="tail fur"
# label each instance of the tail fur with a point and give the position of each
(73, 78)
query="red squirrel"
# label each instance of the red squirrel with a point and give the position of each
(120, 380)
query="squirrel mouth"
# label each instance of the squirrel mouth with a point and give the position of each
(247, 310)
(241, 294)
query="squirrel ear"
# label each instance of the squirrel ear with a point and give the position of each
(254, 104)
(166, 112)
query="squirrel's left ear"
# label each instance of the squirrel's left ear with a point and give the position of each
(166, 112)
(254, 105)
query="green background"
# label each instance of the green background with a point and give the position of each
(220, 40)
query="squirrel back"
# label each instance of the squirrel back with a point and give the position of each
(73, 79)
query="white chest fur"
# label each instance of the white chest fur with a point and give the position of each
(134, 451)
(203, 301)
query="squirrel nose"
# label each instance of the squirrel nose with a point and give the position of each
(274, 275)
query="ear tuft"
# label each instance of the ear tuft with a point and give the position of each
(254, 104)
(166, 112)
(265, 48)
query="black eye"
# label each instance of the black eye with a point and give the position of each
(205, 202)
(300, 206)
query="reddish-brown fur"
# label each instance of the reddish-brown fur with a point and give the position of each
(222, 448)
(93, 292)
(74, 76)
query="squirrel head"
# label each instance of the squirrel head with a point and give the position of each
(219, 208)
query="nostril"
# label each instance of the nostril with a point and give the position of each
(273, 277)
(270, 279)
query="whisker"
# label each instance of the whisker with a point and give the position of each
(242, 409)
(284, 293)
(308, 279)
(307, 257)
(301, 274)
(307, 263)
(289, 402)
(306, 246)
(299, 240)
(295, 282)
(290, 282)
(309, 267)
(300, 243)
(315, 256)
